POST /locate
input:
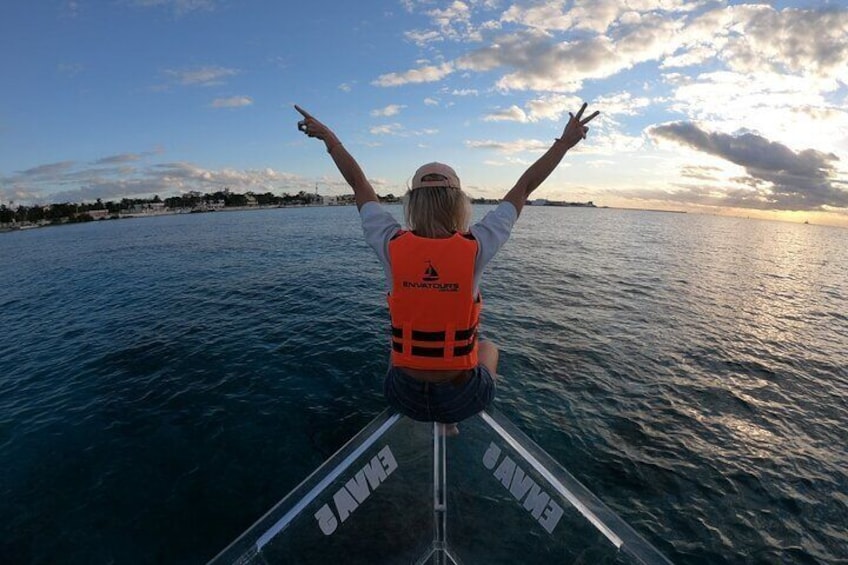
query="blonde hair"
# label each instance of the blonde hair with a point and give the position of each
(436, 211)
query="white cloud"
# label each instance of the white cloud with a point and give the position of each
(422, 38)
(556, 107)
(791, 109)
(543, 52)
(511, 114)
(431, 102)
(202, 76)
(232, 102)
(388, 111)
(430, 73)
(387, 129)
(596, 16)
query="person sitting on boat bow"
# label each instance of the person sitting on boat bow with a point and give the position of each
(440, 370)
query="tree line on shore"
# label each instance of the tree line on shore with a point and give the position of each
(69, 212)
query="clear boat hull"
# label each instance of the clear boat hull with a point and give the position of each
(402, 492)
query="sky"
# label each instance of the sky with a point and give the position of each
(707, 107)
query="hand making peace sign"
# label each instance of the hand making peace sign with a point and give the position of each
(576, 128)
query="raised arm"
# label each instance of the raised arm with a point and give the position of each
(574, 131)
(351, 171)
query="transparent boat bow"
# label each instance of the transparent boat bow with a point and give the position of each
(402, 492)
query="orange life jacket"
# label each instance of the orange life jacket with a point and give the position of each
(432, 303)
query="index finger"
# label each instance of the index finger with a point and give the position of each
(590, 118)
(303, 112)
(580, 112)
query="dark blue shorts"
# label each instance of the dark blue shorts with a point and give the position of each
(447, 402)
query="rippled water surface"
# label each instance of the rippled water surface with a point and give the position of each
(164, 381)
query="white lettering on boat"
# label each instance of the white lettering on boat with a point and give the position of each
(537, 502)
(356, 490)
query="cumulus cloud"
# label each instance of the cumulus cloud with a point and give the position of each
(511, 114)
(232, 102)
(558, 45)
(778, 177)
(429, 73)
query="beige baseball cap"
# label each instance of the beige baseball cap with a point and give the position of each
(435, 174)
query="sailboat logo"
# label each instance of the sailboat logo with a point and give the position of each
(430, 273)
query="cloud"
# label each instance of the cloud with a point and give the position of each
(509, 147)
(179, 7)
(387, 129)
(454, 22)
(232, 102)
(202, 76)
(511, 114)
(400, 131)
(422, 38)
(118, 159)
(778, 177)
(48, 170)
(429, 73)
(700, 172)
(807, 42)
(388, 111)
(63, 182)
(556, 107)
(556, 46)
(596, 16)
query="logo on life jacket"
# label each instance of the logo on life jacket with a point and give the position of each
(430, 280)
(430, 273)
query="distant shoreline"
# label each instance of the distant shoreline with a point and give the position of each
(4, 228)
(7, 228)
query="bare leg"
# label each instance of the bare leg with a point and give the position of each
(488, 356)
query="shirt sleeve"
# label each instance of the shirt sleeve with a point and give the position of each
(491, 233)
(379, 227)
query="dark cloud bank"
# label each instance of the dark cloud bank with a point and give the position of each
(779, 178)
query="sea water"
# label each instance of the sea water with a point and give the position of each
(165, 380)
